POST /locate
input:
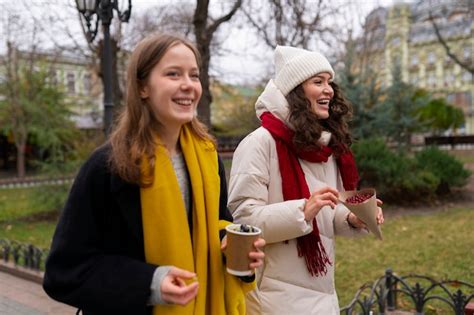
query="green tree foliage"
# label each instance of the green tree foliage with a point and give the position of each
(401, 107)
(35, 111)
(437, 115)
(394, 175)
(364, 92)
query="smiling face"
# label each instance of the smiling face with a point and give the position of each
(173, 88)
(319, 93)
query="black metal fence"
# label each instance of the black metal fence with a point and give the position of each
(24, 255)
(390, 292)
(414, 293)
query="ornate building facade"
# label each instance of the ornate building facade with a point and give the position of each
(404, 35)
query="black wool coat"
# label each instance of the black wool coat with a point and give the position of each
(97, 259)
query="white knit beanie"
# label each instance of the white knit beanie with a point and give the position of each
(295, 65)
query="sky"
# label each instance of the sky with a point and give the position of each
(246, 59)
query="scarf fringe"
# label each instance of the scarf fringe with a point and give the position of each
(316, 260)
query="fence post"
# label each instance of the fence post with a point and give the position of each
(391, 293)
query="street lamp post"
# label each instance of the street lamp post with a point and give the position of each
(93, 11)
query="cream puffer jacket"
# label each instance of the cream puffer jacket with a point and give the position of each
(255, 197)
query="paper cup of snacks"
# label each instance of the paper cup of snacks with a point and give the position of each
(364, 205)
(240, 239)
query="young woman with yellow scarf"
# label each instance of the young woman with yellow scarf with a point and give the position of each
(141, 230)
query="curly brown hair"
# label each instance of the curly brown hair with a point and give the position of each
(308, 127)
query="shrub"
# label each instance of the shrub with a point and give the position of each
(372, 157)
(448, 169)
(417, 185)
(396, 176)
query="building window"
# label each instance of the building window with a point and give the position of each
(467, 77)
(396, 41)
(468, 97)
(449, 79)
(53, 77)
(450, 98)
(414, 60)
(414, 79)
(431, 81)
(431, 58)
(396, 12)
(71, 83)
(462, 100)
(397, 61)
(87, 84)
(467, 53)
(382, 63)
(447, 60)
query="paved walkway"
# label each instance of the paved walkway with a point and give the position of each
(23, 297)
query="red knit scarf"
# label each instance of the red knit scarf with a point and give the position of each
(294, 185)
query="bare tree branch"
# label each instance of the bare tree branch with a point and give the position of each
(173, 18)
(465, 65)
(213, 27)
(262, 27)
(292, 22)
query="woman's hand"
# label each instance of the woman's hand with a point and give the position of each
(355, 222)
(380, 217)
(174, 289)
(256, 256)
(326, 196)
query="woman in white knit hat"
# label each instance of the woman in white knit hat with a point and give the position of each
(285, 179)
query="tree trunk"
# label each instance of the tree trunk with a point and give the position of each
(4, 150)
(204, 34)
(202, 43)
(204, 108)
(20, 159)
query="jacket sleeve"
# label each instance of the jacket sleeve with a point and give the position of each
(341, 226)
(80, 271)
(249, 193)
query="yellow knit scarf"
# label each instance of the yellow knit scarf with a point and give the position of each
(166, 231)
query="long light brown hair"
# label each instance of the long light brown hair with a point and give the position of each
(133, 138)
(308, 127)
